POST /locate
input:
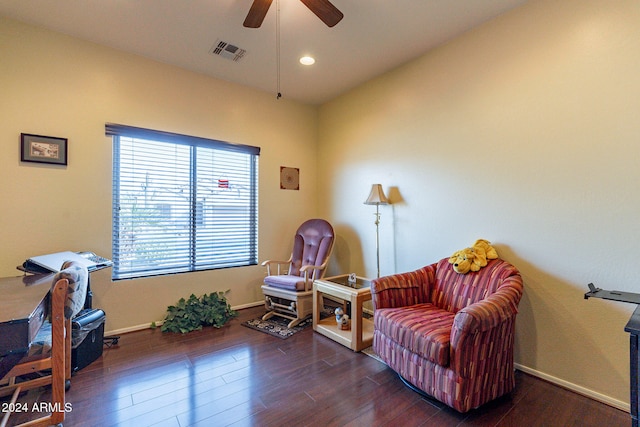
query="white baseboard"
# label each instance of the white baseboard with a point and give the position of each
(121, 331)
(607, 400)
(250, 305)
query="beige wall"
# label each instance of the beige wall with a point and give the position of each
(525, 132)
(59, 86)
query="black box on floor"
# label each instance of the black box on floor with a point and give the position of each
(87, 337)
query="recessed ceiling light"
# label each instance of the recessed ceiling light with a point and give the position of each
(307, 60)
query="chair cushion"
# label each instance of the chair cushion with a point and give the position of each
(423, 329)
(454, 291)
(41, 344)
(311, 246)
(78, 276)
(286, 281)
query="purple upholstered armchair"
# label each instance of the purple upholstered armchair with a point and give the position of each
(287, 288)
(450, 335)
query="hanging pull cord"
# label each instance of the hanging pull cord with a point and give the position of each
(278, 49)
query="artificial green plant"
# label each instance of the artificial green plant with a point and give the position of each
(194, 313)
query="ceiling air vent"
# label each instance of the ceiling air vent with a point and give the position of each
(227, 50)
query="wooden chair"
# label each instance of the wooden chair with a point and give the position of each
(287, 288)
(67, 299)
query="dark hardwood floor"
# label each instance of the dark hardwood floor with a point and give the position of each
(240, 377)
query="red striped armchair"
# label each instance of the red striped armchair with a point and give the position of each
(450, 335)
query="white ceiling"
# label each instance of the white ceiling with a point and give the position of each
(374, 36)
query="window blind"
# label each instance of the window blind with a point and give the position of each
(181, 203)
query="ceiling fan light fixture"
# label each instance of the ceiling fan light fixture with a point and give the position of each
(323, 9)
(307, 60)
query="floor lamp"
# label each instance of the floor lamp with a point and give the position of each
(377, 197)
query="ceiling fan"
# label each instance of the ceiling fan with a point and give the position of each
(323, 9)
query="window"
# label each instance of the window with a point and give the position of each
(181, 203)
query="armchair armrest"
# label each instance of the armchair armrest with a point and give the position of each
(496, 308)
(403, 289)
(311, 274)
(488, 323)
(312, 269)
(268, 263)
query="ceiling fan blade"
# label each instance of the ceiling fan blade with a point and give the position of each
(256, 14)
(324, 10)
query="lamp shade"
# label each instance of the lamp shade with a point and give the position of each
(376, 197)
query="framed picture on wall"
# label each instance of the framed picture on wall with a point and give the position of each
(43, 149)
(289, 178)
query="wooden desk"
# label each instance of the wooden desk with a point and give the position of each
(23, 309)
(633, 327)
(361, 334)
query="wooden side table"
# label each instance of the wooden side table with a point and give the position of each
(361, 334)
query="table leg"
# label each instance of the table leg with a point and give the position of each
(634, 358)
(318, 306)
(356, 323)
